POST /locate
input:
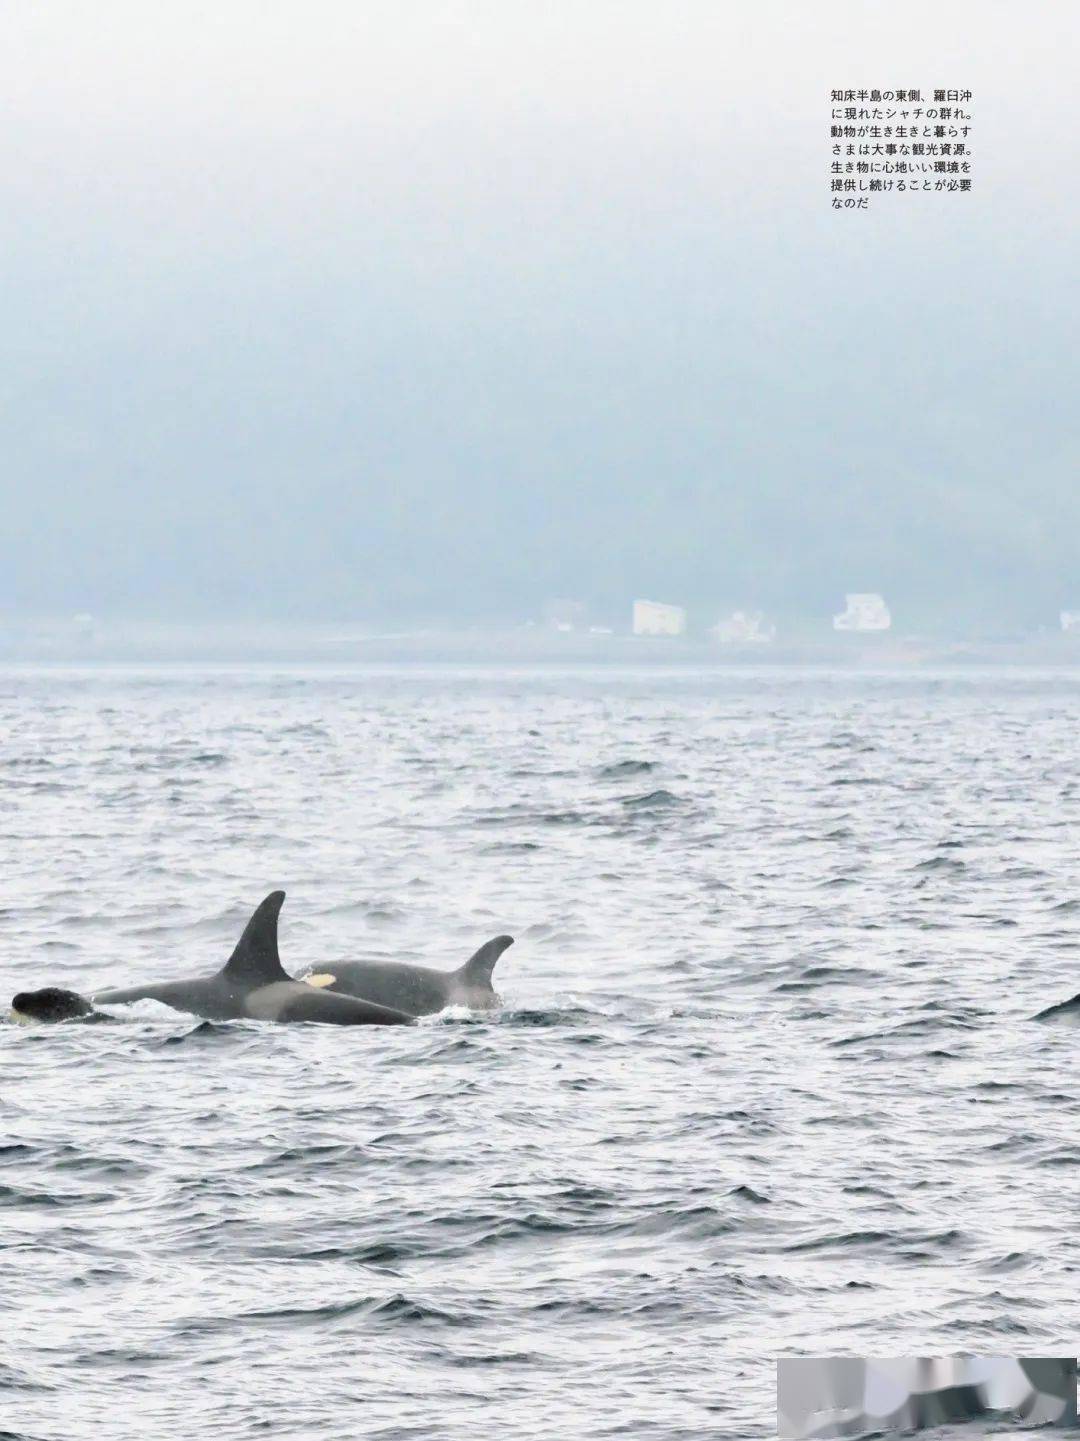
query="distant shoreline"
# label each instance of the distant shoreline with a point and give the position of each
(924, 658)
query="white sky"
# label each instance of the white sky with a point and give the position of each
(578, 229)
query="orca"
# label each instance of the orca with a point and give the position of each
(417, 990)
(1064, 1010)
(53, 1003)
(253, 984)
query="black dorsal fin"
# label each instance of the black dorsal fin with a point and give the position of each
(477, 969)
(255, 962)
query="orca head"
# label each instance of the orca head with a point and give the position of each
(51, 1003)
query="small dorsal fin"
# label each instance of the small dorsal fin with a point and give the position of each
(477, 969)
(1063, 1008)
(255, 962)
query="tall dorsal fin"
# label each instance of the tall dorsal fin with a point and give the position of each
(255, 962)
(477, 969)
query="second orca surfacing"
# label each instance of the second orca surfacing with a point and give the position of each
(419, 990)
(254, 985)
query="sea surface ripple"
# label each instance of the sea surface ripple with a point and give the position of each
(763, 1080)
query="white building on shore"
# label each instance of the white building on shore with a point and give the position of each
(1070, 620)
(564, 615)
(866, 610)
(653, 618)
(744, 628)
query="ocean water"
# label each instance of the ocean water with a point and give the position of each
(763, 1080)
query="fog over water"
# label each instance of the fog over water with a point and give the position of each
(763, 1080)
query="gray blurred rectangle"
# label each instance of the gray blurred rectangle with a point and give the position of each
(824, 1396)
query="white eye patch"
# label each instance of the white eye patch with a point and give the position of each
(321, 980)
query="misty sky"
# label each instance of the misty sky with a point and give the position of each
(324, 311)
